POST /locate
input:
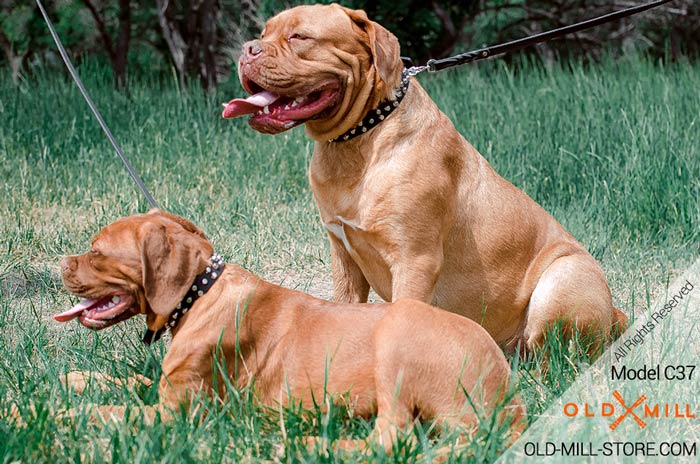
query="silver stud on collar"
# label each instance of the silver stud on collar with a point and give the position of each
(205, 279)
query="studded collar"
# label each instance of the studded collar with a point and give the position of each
(378, 114)
(202, 283)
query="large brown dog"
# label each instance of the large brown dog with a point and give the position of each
(412, 209)
(399, 360)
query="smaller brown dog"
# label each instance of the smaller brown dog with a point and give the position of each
(400, 360)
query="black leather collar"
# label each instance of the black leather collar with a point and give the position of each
(378, 114)
(202, 283)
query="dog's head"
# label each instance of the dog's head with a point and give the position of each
(323, 65)
(142, 264)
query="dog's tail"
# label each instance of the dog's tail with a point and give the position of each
(619, 323)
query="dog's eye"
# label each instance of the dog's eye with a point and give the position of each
(296, 36)
(92, 255)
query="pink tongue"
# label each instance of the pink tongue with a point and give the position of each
(75, 311)
(239, 106)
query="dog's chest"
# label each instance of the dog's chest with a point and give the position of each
(346, 213)
(338, 227)
(356, 202)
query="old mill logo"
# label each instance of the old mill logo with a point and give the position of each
(638, 410)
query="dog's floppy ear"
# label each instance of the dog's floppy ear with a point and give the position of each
(386, 52)
(187, 225)
(171, 257)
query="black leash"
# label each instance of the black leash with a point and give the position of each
(482, 53)
(132, 172)
(378, 114)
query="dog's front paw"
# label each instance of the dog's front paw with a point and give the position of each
(78, 381)
(95, 414)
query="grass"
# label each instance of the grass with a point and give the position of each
(610, 150)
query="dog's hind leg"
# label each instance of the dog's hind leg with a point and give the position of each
(394, 415)
(572, 291)
(386, 432)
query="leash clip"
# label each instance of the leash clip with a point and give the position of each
(429, 66)
(414, 70)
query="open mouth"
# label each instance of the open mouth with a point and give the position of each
(273, 113)
(101, 312)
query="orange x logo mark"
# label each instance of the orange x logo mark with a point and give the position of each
(628, 410)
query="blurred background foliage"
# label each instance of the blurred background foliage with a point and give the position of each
(200, 39)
